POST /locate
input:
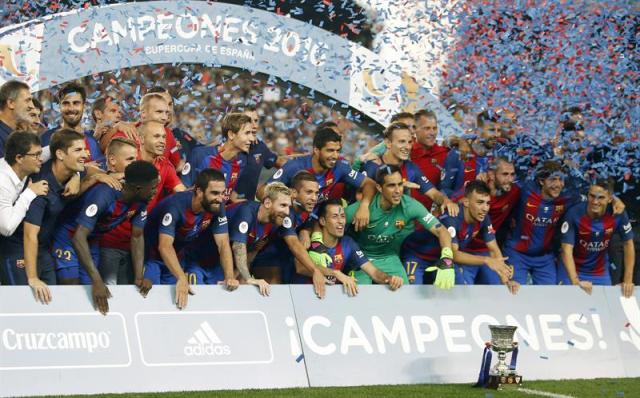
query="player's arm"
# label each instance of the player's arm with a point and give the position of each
(179, 188)
(361, 218)
(30, 246)
(308, 266)
(629, 262)
(506, 273)
(95, 176)
(99, 290)
(381, 277)
(566, 251)
(137, 260)
(241, 260)
(170, 259)
(226, 260)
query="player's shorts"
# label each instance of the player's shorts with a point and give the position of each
(12, 271)
(391, 265)
(158, 273)
(415, 267)
(67, 264)
(542, 268)
(476, 275)
(563, 277)
(199, 275)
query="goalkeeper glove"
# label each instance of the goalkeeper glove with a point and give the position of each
(318, 251)
(445, 276)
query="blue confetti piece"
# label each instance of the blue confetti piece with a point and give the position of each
(571, 343)
(300, 358)
(544, 357)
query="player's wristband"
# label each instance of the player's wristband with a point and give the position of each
(446, 253)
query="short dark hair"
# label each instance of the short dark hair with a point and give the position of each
(19, 143)
(401, 115)
(9, 91)
(300, 177)
(62, 140)
(608, 184)
(233, 122)
(329, 124)
(37, 104)
(206, 176)
(324, 136)
(140, 172)
(322, 209)
(500, 159)
(72, 88)
(425, 113)
(386, 170)
(388, 132)
(100, 104)
(476, 186)
(549, 168)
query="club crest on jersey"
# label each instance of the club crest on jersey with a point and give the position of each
(92, 210)
(257, 157)
(559, 208)
(337, 259)
(205, 223)
(329, 181)
(400, 224)
(130, 213)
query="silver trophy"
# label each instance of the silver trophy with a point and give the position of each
(502, 343)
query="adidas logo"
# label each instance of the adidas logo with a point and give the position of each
(205, 342)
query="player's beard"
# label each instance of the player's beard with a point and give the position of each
(211, 207)
(71, 121)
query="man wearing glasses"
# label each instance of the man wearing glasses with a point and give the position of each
(22, 158)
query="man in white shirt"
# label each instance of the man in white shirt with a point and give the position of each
(22, 158)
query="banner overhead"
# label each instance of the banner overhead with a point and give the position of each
(67, 46)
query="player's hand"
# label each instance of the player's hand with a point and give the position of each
(627, 289)
(445, 273)
(73, 186)
(498, 265)
(101, 294)
(40, 188)
(618, 206)
(451, 207)
(182, 293)
(410, 185)
(395, 282)
(110, 180)
(40, 290)
(349, 283)
(370, 156)
(361, 218)
(587, 286)
(513, 286)
(231, 284)
(144, 286)
(263, 285)
(319, 284)
(129, 129)
(482, 177)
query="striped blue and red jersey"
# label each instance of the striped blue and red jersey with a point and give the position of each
(246, 228)
(459, 169)
(409, 170)
(175, 217)
(535, 219)
(501, 206)
(341, 172)
(100, 209)
(590, 238)
(93, 148)
(230, 168)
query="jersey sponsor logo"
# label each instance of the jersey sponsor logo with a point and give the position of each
(452, 232)
(278, 174)
(428, 218)
(380, 238)
(359, 253)
(565, 227)
(627, 227)
(222, 220)
(61, 341)
(400, 224)
(186, 169)
(143, 214)
(205, 342)
(92, 210)
(594, 246)
(166, 220)
(287, 222)
(490, 229)
(353, 174)
(243, 227)
(541, 221)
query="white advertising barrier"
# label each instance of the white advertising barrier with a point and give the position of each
(424, 335)
(222, 341)
(291, 339)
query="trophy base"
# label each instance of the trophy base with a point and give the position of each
(499, 381)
